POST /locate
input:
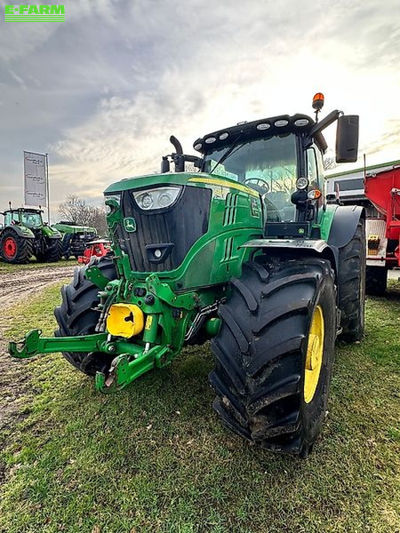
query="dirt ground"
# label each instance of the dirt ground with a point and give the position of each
(15, 287)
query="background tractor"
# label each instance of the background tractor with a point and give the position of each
(244, 252)
(75, 238)
(24, 234)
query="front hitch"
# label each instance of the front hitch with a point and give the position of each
(130, 361)
(34, 344)
(125, 369)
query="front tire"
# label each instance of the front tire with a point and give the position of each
(262, 353)
(66, 246)
(53, 252)
(76, 316)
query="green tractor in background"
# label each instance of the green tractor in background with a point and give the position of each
(74, 238)
(244, 252)
(24, 234)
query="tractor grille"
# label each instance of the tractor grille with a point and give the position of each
(173, 230)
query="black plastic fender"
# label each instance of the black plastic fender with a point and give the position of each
(344, 225)
(343, 228)
(301, 247)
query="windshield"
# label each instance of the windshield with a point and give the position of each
(32, 220)
(268, 166)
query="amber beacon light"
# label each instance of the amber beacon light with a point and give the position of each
(318, 101)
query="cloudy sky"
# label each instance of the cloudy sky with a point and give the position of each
(102, 91)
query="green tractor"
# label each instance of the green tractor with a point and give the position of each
(74, 238)
(244, 252)
(24, 234)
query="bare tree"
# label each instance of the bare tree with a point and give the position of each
(76, 210)
(329, 162)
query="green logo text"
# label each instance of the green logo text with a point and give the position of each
(34, 12)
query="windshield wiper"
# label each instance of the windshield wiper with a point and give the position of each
(227, 153)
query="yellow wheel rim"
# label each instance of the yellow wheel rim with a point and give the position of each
(314, 356)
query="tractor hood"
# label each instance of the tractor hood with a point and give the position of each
(174, 222)
(198, 179)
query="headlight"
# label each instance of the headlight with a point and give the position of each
(156, 198)
(302, 183)
(146, 201)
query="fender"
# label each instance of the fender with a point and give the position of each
(342, 230)
(344, 225)
(316, 247)
(51, 233)
(22, 231)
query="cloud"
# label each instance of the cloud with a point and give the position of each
(108, 87)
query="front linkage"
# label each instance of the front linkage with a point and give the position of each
(130, 362)
(177, 316)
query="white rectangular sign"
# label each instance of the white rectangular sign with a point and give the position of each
(35, 173)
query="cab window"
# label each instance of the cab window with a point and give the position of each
(312, 168)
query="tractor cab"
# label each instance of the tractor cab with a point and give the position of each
(32, 218)
(269, 156)
(279, 157)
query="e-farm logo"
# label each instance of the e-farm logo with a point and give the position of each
(34, 12)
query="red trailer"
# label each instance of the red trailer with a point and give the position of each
(383, 231)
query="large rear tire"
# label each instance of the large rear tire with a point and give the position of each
(376, 280)
(351, 286)
(266, 339)
(76, 316)
(14, 248)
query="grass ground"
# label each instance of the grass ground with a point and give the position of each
(9, 268)
(155, 457)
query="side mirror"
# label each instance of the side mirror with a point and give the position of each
(347, 139)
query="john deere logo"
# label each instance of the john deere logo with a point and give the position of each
(34, 12)
(130, 224)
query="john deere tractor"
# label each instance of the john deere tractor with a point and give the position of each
(244, 252)
(25, 234)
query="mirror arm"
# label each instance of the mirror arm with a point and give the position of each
(325, 122)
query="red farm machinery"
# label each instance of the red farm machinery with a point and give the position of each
(377, 189)
(383, 231)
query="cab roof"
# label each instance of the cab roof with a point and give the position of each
(23, 210)
(258, 129)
